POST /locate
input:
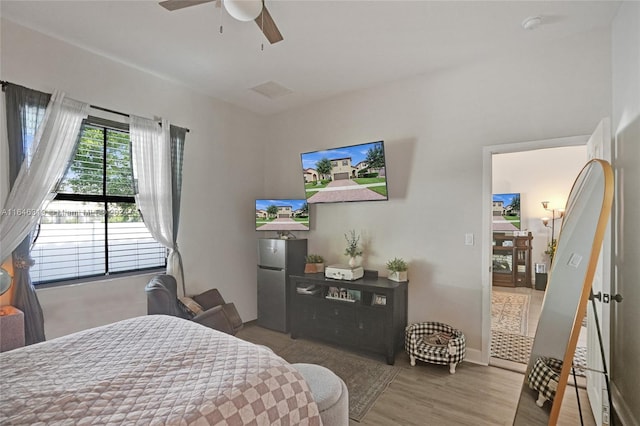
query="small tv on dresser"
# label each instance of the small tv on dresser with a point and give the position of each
(282, 215)
(348, 173)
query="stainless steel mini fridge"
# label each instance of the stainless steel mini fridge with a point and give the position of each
(277, 259)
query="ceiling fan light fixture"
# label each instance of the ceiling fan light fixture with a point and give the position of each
(243, 10)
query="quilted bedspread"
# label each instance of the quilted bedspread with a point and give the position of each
(155, 370)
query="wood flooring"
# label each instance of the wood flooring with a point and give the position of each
(427, 394)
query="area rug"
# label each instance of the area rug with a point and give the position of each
(366, 378)
(517, 348)
(509, 312)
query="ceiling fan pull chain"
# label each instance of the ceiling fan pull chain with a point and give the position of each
(262, 25)
(221, 15)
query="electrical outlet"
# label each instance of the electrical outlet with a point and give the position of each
(468, 239)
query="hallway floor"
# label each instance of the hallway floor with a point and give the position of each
(535, 307)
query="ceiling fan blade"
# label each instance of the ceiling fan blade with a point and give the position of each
(268, 26)
(171, 5)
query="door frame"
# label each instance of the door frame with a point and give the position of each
(599, 146)
(487, 184)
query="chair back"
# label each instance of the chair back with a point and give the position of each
(162, 296)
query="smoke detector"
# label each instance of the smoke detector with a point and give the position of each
(532, 22)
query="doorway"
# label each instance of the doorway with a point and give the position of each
(597, 146)
(530, 169)
(539, 182)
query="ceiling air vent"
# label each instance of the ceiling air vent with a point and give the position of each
(272, 90)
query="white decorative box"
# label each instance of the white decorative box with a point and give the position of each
(344, 272)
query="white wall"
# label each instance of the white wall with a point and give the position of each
(434, 129)
(625, 344)
(539, 175)
(222, 170)
(5, 299)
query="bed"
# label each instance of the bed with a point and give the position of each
(156, 370)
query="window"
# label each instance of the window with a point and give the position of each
(93, 226)
(32, 118)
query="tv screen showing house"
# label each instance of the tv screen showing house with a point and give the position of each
(506, 212)
(348, 173)
(282, 215)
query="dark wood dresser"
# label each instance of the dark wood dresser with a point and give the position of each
(369, 314)
(511, 260)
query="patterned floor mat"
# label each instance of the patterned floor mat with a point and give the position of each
(509, 312)
(516, 348)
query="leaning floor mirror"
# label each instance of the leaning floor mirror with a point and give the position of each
(565, 301)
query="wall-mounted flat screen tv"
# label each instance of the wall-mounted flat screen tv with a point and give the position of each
(282, 215)
(506, 212)
(348, 173)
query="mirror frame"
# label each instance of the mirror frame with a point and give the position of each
(581, 308)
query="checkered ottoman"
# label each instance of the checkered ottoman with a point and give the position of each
(544, 377)
(436, 343)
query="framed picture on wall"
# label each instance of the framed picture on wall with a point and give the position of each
(506, 212)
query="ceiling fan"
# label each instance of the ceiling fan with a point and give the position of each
(242, 10)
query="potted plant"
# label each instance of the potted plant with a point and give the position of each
(551, 249)
(397, 268)
(353, 249)
(314, 263)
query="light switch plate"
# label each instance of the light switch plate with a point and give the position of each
(468, 239)
(574, 260)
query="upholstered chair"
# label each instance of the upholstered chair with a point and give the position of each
(208, 308)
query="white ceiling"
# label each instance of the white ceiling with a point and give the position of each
(329, 47)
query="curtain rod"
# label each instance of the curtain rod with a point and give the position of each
(124, 114)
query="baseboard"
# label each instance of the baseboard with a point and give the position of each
(621, 408)
(474, 356)
(508, 365)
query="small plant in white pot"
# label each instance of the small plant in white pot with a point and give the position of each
(397, 268)
(353, 249)
(314, 264)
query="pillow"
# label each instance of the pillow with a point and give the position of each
(437, 339)
(191, 305)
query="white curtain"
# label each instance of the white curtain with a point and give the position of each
(151, 157)
(34, 187)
